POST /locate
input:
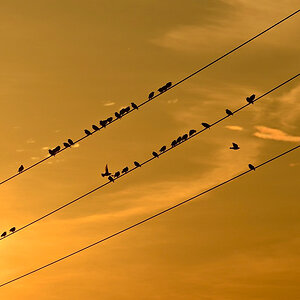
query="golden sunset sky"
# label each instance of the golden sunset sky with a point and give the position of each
(66, 64)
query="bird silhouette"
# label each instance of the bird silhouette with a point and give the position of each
(163, 149)
(184, 137)
(137, 164)
(3, 234)
(109, 119)
(122, 111)
(125, 170)
(174, 143)
(87, 132)
(118, 116)
(70, 142)
(103, 123)
(127, 109)
(192, 131)
(12, 230)
(251, 99)
(134, 106)
(95, 127)
(21, 168)
(168, 84)
(110, 179)
(179, 139)
(229, 112)
(51, 152)
(151, 95)
(155, 154)
(162, 89)
(106, 173)
(251, 167)
(117, 174)
(206, 125)
(235, 146)
(54, 151)
(66, 145)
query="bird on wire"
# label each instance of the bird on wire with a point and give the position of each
(21, 168)
(106, 173)
(235, 146)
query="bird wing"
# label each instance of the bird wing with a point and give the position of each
(235, 145)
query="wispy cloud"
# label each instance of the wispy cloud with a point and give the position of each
(274, 134)
(234, 127)
(30, 141)
(109, 103)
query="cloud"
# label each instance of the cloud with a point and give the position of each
(109, 103)
(274, 134)
(20, 150)
(172, 101)
(30, 141)
(234, 127)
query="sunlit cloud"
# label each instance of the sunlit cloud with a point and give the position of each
(76, 146)
(34, 158)
(45, 148)
(234, 127)
(172, 101)
(109, 103)
(20, 150)
(30, 141)
(274, 134)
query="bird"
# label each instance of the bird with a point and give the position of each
(163, 149)
(251, 167)
(51, 152)
(134, 106)
(21, 168)
(117, 174)
(184, 137)
(235, 146)
(125, 170)
(103, 123)
(162, 89)
(95, 127)
(122, 111)
(155, 154)
(66, 145)
(179, 139)
(54, 151)
(168, 84)
(174, 143)
(251, 99)
(206, 125)
(192, 131)
(12, 230)
(151, 95)
(110, 179)
(70, 142)
(109, 119)
(87, 132)
(229, 112)
(106, 173)
(3, 234)
(137, 164)
(118, 116)
(127, 109)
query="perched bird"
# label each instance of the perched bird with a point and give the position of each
(162, 89)
(251, 99)
(163, 149)
(3, 234)
(251, 167)
(95, 127)
(168, 85)
(122, 111)
(103, 123)
(192, 131)
(12, 230)
(235, 146)
(127, 109)
(54, 151)
(179, 139)
(110, 179)
(66, 145)
(155, 154)
(174, 143)
(106, 173)
(184, 137)
(109, 119)
(51, 152)
(206, 125)
(134, 106)
(229, 112)
(118, 116)
(70, 142)
(87, 132)
(21, 168)
(137, 164)
(151, 95)
(117, 174)
(125, 170)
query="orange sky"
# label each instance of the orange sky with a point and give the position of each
(67, 64)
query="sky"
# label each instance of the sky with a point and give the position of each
(67, 64)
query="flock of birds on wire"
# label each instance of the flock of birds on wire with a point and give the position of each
(111, 177)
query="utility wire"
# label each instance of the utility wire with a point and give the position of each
(145, 162)
(148, 100)
(148, 219)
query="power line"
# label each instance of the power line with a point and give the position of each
(149, 218)
(148, 100)
(145, 162)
